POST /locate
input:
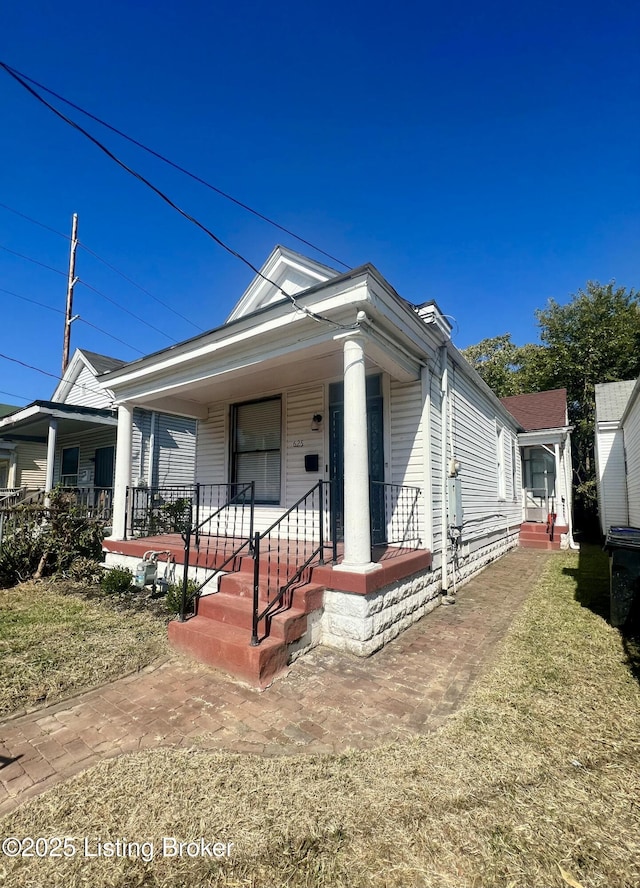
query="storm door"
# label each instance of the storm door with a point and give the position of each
(375, 439)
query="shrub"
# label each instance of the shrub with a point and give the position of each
(37, 541)
(173, 599)
(85, 570)
(117, 581)
(20, 554)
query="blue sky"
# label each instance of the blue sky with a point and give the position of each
(483, 155)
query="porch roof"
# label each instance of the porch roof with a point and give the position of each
(32, 421)
(283, 344)
(539, 410)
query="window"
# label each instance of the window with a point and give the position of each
(256, 448)
(502, 492)
(69, 473)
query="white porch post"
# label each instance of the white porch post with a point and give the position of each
(123, 470)
(357, 522)
(51, 453)
(558, 484)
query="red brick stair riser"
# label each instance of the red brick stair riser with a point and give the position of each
(536, 536)
(220, 633)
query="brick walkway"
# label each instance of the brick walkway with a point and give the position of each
(329, 701)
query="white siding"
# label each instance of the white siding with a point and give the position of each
(140, 445)
(475, 421)
(632, 448)
(31, 464)
(89, 395)
(612, 487)
(174, 450)
(211, 447)
(299, 407)
(436, 460)
(406, 436)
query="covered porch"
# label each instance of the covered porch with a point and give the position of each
(546, 489)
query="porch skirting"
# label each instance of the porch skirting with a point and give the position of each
(362, 624)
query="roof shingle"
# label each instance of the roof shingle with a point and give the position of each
(612, 398)
(539, 410)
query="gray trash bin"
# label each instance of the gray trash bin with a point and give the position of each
(623, 546)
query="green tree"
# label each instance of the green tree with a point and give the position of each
(509, 369)
(593, 338)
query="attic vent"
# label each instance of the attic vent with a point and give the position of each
(431, 314)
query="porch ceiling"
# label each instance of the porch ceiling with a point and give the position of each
(37, 426)
(298, 366)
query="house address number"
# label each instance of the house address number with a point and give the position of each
(297, 443)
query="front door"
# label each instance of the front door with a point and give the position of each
(539, 482)
(104, 468)
(375, 438)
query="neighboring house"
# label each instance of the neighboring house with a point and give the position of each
(71, 439)
(324, 377)
(547, 466)
(617, 453)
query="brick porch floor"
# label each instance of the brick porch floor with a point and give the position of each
(328, 701)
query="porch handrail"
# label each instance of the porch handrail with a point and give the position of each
(194, 531)
(400, 512)
(306, 501)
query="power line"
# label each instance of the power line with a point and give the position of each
(35, 221)
(307, 311)
(89, 287)
(13, 395)
(79, 318)
(32, 301)
(133, 283)
(35, 261)
(122, 308)
(177, 166)
(84, 388)
(99, 258)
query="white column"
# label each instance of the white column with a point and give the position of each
(558, 485)
(357, 522)
(51, 453)
(123, 470)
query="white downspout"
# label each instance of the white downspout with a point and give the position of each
(444, 468)
(569, 489)
(425, 378)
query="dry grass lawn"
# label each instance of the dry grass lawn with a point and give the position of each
(52, 644)
(534, 784)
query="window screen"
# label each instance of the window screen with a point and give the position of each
(256, 448)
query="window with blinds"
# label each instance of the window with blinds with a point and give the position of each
(256, 447)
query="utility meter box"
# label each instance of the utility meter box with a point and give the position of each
(454, 495)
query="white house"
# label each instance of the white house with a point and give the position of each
(70, 440)
(545, 446)
(617, 453)
(336, 410)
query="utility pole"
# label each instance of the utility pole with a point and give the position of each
(71, 282)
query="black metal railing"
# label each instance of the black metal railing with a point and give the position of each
(220, 531)
(153, 511)
(395, 514)
(287, 549)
